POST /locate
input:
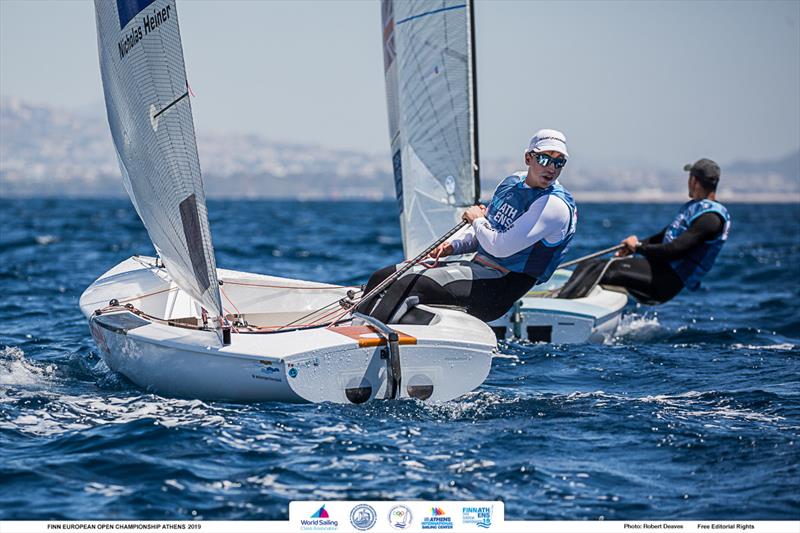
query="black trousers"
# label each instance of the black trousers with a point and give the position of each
(648, 281)
(483, 292)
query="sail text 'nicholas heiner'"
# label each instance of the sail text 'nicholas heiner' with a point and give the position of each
(150, 23)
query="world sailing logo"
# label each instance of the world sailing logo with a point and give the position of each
(319, 521)
(321, 513)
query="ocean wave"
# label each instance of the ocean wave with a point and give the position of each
(710, 405)
(48, 414)
(637, 328)
(785, 346)
(18, 371)
(44, 240)
(637, 427)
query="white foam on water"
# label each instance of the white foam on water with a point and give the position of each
(684, 406)
(500, 355)
(174, 484)
(637, 327)
(412, 464)
(471, 405)
(292, 490)
(779, 347)
(108, 491)
(470, 465)
(44, 240)
(337, 428)
(18, 371)
(224, 485)
(63, 413)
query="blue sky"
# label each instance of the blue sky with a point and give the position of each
(648, 84)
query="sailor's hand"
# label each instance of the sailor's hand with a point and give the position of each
(630, 243)
(474, 213)
(443, 250)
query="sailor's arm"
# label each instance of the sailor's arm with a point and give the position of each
(547, 218)
(632, 241)
(657, 238)
(463, 242)
(704, 228)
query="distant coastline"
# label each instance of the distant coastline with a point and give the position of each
(646, 197)
(588, 197)
(49, 152)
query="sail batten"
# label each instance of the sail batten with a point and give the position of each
(429, 69)
(150, 117)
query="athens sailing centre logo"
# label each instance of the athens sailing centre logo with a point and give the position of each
(438, 519)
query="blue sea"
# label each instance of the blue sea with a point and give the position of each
(692, 411)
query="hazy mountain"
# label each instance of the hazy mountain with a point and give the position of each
(788, 166)
(46, 151)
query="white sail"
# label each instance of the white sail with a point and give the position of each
(429, 69)
(150, 115)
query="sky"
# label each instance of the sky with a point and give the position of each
(649, 83)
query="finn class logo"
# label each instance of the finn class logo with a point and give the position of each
(363, 517)
(400, 517)
(437, 520)
(477, 516)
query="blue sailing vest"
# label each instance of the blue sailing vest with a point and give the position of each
(511, 200)
(694, 266)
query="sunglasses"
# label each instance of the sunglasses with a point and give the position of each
(544, 160)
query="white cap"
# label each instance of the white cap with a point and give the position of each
(547, 140)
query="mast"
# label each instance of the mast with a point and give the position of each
(473, 82)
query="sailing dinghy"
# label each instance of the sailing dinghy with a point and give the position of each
(543, 316)
(429, 64)
(178, 326)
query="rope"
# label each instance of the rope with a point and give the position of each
(221, 290)
(316, 311)
(435, 261)
(405, 268)
(592, 256)
(326, 311)
(351, 302)
(294, 287)
(147, 295)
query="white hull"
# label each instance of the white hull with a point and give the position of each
(438, 362)
(539, 318)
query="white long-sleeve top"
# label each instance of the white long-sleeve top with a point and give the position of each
(547, 219)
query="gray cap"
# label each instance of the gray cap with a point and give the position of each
(705, 170)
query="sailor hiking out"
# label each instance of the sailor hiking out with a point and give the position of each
(678, 256)
(517, 242)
